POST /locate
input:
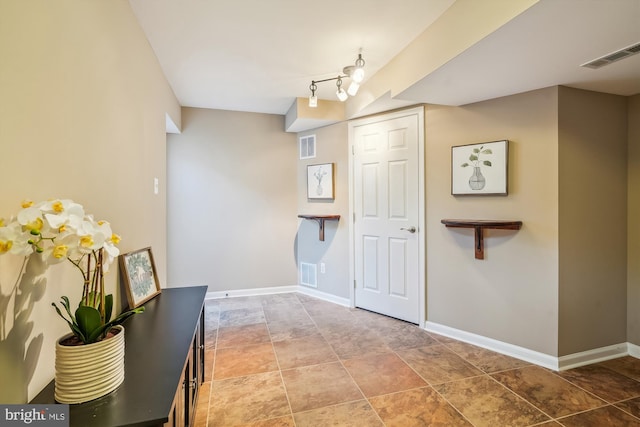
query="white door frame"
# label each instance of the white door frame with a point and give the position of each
(422, 289)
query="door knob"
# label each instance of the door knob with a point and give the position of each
(411, 229)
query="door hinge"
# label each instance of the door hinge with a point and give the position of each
(354, 284)
(354, 217)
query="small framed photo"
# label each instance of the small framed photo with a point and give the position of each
(320, 182)
(140, 278)
(480, 169)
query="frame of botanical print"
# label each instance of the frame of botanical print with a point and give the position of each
(480, 169)
(320, 182)
(140, 278)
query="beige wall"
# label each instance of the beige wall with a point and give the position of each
(511, 295)
(331, 147)
(232, 211)
(633, 221)
(592, 129)
(82, 116)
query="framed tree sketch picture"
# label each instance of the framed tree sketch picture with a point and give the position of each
(139, 272)
(480, 169)
(320, 182)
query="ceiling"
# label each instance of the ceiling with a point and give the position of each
(259, 56)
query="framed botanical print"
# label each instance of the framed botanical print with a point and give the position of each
(320, 181)
(139, 272)
(480, 169)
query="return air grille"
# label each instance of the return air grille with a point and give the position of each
(613, 57)
(308, 274)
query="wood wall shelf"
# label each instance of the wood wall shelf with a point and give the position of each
(321, 219)
(479, 225)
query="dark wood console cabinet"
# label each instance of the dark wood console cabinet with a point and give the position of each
(164, 367)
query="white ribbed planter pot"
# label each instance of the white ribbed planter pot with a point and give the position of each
(86, 372)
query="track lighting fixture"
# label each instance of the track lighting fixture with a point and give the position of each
(313, 99)
(353, 72)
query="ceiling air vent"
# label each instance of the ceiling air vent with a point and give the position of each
(613, 57)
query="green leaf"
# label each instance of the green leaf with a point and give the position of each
(88, 319)
(473, 157)
(67, 306)
(61, 315)
(108, 307)
(487, 151)
(487, 162)
(464, 165)
(476, 150)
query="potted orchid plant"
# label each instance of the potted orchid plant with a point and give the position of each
(59, 230)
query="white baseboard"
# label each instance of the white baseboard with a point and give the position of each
(556, 363)
(592, 356)
(633, 350)
(346, 302)
(251, 292)
(280, 290)
(507, 349)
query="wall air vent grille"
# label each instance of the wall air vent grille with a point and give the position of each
(307, 147)
(308, 274)
(613, 57)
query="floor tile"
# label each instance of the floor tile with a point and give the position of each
(547, 391)
(627, 365)
(234, 336)
(288, 299)
(631, 406)
(244, 360)
(291, 360)
(286, 330)
(242, 400)
(202, 406)
(485, 402)
(354, 341)
(274, 422)
(603, 382)
(486, 360)
(417, 407)
(313, 387)
(286, 314)
(210, 338)
(334, 322)
(437, 364)
(209, 359)
(382, 374)
(352, 414)
(310, 350)
(405, 335)
(601, 417)
(239, 303)
(242, 316)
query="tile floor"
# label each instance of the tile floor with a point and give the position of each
(292, 360)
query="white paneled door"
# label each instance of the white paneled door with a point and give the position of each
(386, 207)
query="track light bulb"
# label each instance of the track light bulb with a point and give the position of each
(358, 75)
(353, 88)
(340, 93)
(313, 99)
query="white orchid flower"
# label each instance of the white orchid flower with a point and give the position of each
(63, 247)
(14, 241)
(31, 219)
(63, 214)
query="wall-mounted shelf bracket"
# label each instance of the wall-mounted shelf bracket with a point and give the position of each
(321, 219)
(479, 225)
